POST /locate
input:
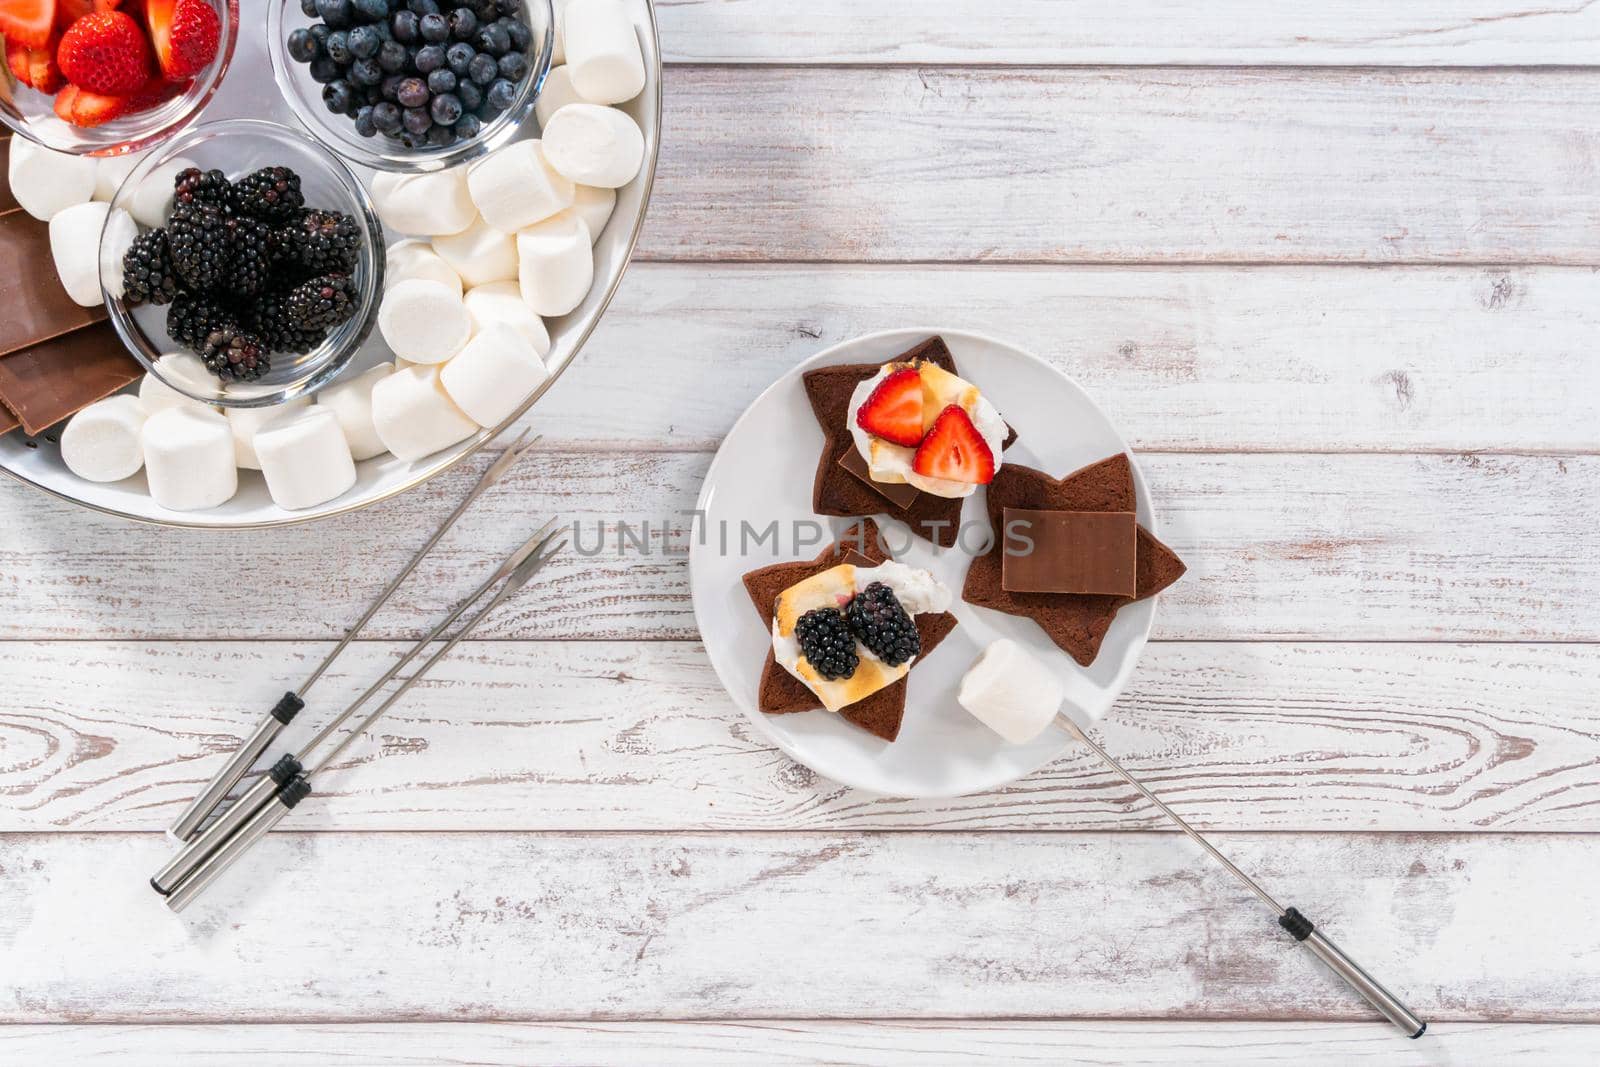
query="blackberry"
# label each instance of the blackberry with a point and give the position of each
(147, 274)
(826, 643)
(250, 257)
(234, 355)
(271, 193)
(196, 186)
(322, 303)
(197, 237)
(191, 317)
(323, 242)
(880, 623)
(269, 320)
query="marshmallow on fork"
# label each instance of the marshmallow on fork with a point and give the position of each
(1011, 692)
(501, 302)
(414, 417)
(493, 375)
(556, 264)
(305, 459)
(44, 181)
(480, 254)
(424, 321)
(594, 145)
(351, 403)
(188, 458)
(75, 247)
(602, 51)
(515, 187)
(247, 422)
(413, 258)
(101, 442)
(425, 204)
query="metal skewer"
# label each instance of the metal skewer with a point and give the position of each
(1290, 919)
(296, 790)
(291, 702)
(288, 766)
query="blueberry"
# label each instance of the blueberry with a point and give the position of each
(337, 96)
(320, 34)
(413, 92)
(521, 35)
(416, 120)
(393, 57)
(513, 65)
(389, 88)
(501, 93)
(336, 13)
(363, 42)
(324, 70)
(372, 10)
(441, 136)
(494, 39)
(411, 140)
(510, 7)
(445, 109)
(463, 24)
(423, 7)
(429, 58)
(309, 7)
(405, 26)
(435, 28)
(486, 10)
(302, 46)
(364, 124)
(338, 48)
(386, 117)
(381, 28)
(467, 127)
(470, 95)
(441, 81)
(366, 72)
(459, 55)
(482, 69)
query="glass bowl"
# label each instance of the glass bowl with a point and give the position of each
(237, 147)
(31, 114)
(338, 131)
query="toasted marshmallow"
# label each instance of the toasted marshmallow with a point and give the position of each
(414, 258)
(502, 303)
(247, 422)
(594, 145)
(304, 458)
(556, 93)
(602, 51)
(75, 247)
(188, 458)
(424, 204)
(1011, 692)
(493, 375)
(413, 415)
(185, 368)
(151, 202)
(515, 187)
(594, 207)
(351, 403)
(45, 181)
(424, 321)
(556, 264)
(101, 442)
(480, 254)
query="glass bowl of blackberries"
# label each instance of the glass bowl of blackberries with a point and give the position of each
(411, 85)
(242, 264)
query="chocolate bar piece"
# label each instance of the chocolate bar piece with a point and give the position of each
(8, 202)
(8, 421)
(901, 495)
(36, 307)
(1090, 552)
(51, 381)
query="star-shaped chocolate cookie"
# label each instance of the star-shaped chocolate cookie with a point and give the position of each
(842, 494)
(781, 692)
(1076, 622)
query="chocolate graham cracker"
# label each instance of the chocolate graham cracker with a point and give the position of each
(1076, 622)
(841, 494)
(781, 692)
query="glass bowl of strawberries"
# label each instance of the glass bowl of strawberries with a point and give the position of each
(108, 77)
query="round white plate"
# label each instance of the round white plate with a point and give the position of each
(763, 473)
(249, 91)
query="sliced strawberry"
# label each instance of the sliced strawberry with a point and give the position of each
(34, 67)
(185, 33)
(105, 52)
(954, 450)
(27, 22)
(81, 107)
(70, 11)
(894, 410)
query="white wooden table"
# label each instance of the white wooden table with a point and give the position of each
(1332, 267)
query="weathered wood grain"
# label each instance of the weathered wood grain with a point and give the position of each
(616, 736)
(868, 1044)
(465, 926)
(1326, 547)
(1412, 32)
(1306, 359)
(1127, 165)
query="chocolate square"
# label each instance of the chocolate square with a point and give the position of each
(1093, 552)
(902, 495)
(48, 382)
(33, 305)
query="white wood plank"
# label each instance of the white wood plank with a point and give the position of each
(1305, 359)
(611, 736)
(1410, 32)
(1325, 547)
(868, 1044)
(1127, 165)
(474, 927)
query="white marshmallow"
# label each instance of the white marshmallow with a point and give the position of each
(247, 422)
(45, 181)
(602, 51)
(424, 321)
(188, 458)
(101, 442)
(493, 375)
(501, 302)
(426, 204)
(556, 93)
(413, 258)
(151, 202)
(351, 403)
(594, 207)
(120, 233)
(187, 370)
(594, 145)
(515, 187)
(555, 264)
(480, 254)
(558, 48)
(111, 171)
(1011, 692)
(304, 459)
(75, 247)
(413, 415)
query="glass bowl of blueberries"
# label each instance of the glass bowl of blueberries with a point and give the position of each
(411, 85)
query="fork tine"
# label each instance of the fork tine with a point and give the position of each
(534, 564)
